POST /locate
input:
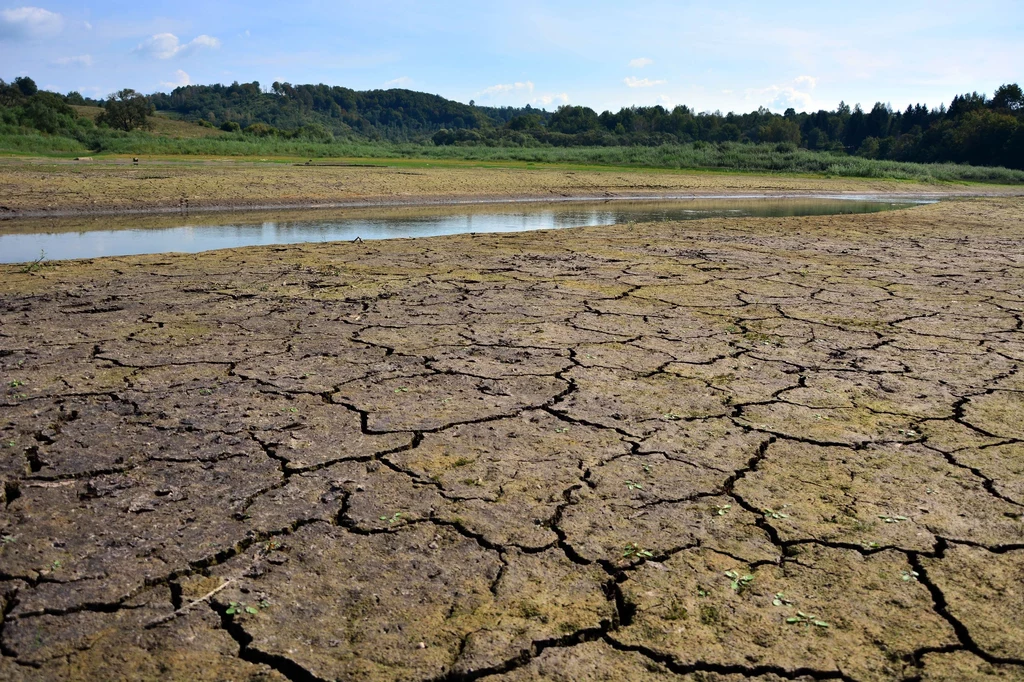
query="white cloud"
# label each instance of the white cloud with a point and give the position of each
(634, 82)
(167, 45)
(545, 100)
(181, 79)
(781, 97)
(29, 22)
(88, 26)
(400, 82)
(640, 62)
(79, 60)
(507, 87)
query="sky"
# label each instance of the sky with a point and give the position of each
(727, 55)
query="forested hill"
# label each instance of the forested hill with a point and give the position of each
(974, 129)
(389, 114)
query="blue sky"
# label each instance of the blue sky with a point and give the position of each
(725, 55)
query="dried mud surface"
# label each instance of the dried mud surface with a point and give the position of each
(40, 188)
(721, 450)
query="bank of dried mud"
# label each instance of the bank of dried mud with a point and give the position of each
(525, 456)
(48, 188)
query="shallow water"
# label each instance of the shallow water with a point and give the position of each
(122, 236)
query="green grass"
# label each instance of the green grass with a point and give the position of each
(726, 157)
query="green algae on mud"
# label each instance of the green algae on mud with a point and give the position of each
(532, 456)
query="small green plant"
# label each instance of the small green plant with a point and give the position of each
(393, 519)
(15, 383)
(802, 618)
(870, 545)
(907, 576)
(8, 539)
(892, 519)
(781, 600)
(56, 564)
(701, 592)
(237, 608)
(632, 485)
(10, 444)
(38, 263)
(671, 417)
(739, 582)
(564, 429)
(634, 551)
(773, 514)
(462, 461)
(722, 509)
(205, 391)
(403, 389)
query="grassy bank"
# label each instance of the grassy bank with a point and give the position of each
(769, 158)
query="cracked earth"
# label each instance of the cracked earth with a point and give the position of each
(716, 450)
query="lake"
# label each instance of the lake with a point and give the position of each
(96, 236)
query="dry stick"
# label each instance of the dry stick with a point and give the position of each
(183, 609)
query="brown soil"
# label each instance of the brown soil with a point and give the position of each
(46, 187)
(717, 450)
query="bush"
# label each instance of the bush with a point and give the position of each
(262, 130)
(228, 126)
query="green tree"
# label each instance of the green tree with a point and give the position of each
(26, 85)
(126, 110)
(780, 130)
(1008, 97)
(571, 120)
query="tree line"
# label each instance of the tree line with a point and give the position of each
(973, 129)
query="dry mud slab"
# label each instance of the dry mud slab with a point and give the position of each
(762, 449)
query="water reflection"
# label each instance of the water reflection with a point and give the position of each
(106, 236)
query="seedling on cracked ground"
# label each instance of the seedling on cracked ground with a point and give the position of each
(237, 608)
(722, 509)
(892, 519)
(781, 600)
(634, 551)
(632, 485)
(739, 582)
(908, 576)
(806, 620)
(773, 514)
(393, 519)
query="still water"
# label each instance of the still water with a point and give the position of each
(92, 237)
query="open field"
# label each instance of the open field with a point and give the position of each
(716, 450)
(47, 187)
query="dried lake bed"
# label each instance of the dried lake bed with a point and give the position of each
(753, 448)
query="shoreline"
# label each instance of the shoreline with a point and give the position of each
(35, 190)
(496, 199)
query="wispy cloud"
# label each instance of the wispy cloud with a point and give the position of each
(634, 82)
(502, 88)
(640, 62)
(548, 99)
(25, 23)
(167, 45)
(400, 82)
(181, 79)
(79, 60)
